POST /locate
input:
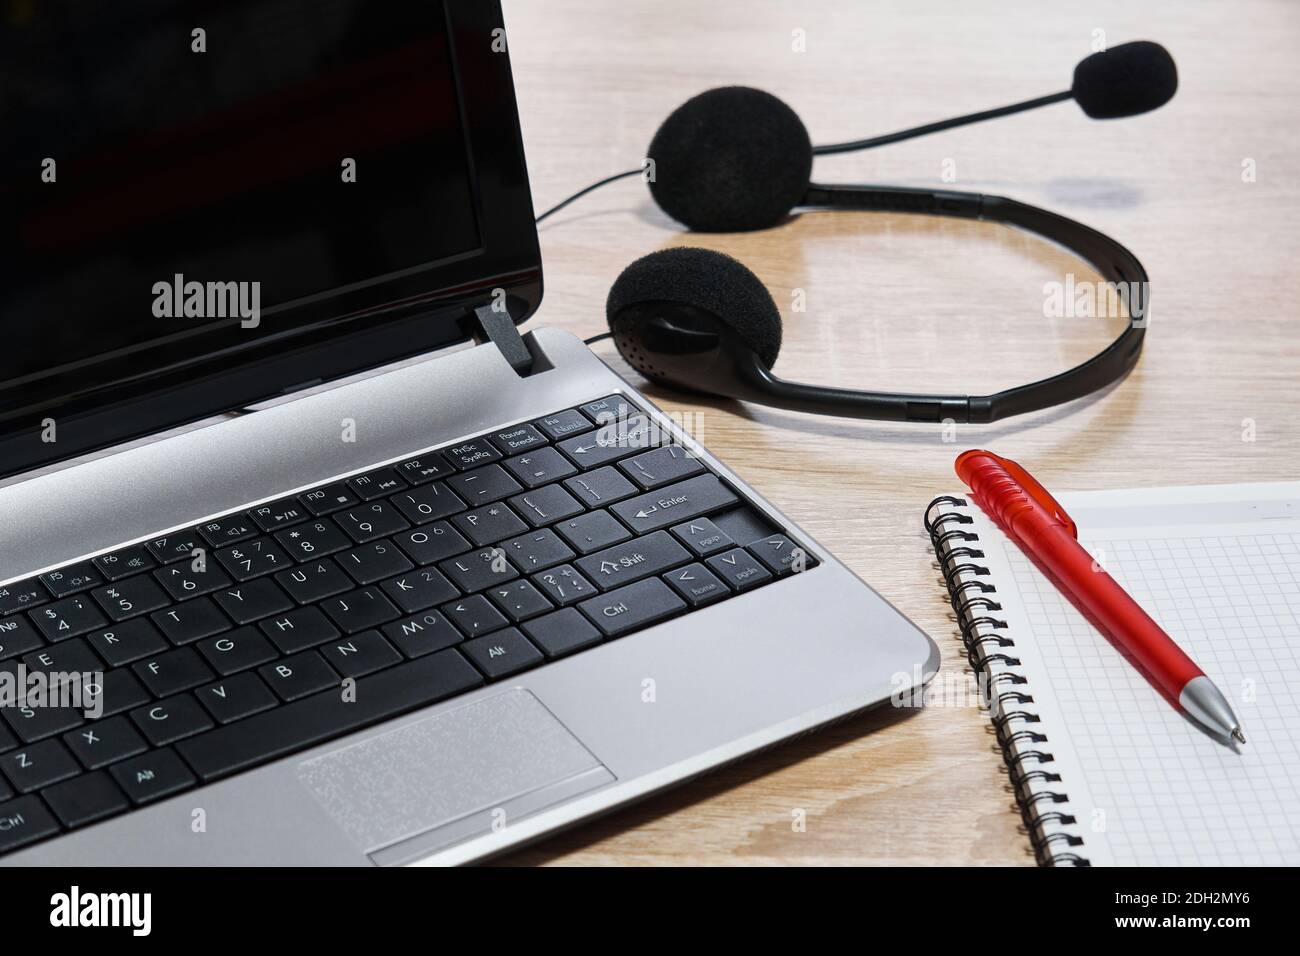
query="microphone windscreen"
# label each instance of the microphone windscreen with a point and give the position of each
(730, 160)
(1125, 80)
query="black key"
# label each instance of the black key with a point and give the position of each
(126, 562)
(536, 550)
(422, 634)
(228, 530)
(489, 523)
(606, 410)
(309, 583)
(299, 630)
(191, 621)
(424, 468)
(21, 595)
(471, 454)
(70, 580)
(675, 503)
(600, 487)
(432, 542)
(327, 500)
(697, 585)
(25, 821)
(7, 740)
(427, 503)
(376, 484)
(297, 676)
(473, 615)
(661, 466)
(633, 560)
(17, 636)
(131, 597)
(173, 672)
(127, 642)
(539, 467)
(477, 570)
(376, 519)
(739, 569)
(177, 546)
(545, 505)
(502, 654)
(250, 559)
(30, 768)
(311, 542)
(70, 657)
(103, 742)
(360, 610)
(87, 799)
(610, 442)
(562, 632)
(172, 719)
(593, 531)
(563, 424)
(152, 776)
(278, 514)
(517, 438)
(371, 562)
(781, 555)
(235, 698)
(68, 618)
(324, 716)
(419, 589)
(122, 691)
(252, 600)
(519, 600)
(703, 537)
(239, 650)
(632, 607)
(361, 654)
(564, 585)
(31, 724)
(183, 582)
(483, 485)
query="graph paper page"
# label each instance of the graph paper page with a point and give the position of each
(1219, 569)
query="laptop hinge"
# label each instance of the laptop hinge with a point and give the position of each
(498, 326)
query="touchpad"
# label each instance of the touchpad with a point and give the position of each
(406, 793)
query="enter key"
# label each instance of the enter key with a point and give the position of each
(680, 502)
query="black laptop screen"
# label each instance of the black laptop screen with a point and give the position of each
(178, 179)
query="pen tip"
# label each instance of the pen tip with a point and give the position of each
(1238, 736)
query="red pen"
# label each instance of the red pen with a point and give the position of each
(1042, 529)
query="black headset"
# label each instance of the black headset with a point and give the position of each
(737, 159)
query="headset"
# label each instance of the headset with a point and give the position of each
(737, 159)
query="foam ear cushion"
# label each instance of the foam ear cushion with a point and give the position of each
(707, 280)
(730, 160)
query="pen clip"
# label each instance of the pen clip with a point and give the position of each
(1040, 494)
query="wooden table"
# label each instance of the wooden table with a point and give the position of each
(908, 303)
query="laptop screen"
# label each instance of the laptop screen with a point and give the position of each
(181, 181)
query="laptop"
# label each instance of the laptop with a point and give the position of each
(307, 555)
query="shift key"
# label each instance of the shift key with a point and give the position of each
(632, 560)
(680, 502)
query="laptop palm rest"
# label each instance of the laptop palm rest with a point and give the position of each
(411, 791)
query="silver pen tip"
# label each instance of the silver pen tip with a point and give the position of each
(1238, 736)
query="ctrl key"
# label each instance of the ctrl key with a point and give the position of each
(152, 776)
(24, 821)
(636, 605)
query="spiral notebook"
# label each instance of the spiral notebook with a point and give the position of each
(1106, 772)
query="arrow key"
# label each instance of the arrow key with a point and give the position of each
(739, 569)
(697, 585)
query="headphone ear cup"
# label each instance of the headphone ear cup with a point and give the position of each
(672, 299)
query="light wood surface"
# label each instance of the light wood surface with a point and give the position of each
(907, 303)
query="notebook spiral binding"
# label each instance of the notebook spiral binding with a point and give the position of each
(990, 651)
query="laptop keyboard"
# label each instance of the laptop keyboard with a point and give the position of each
(249, 637)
